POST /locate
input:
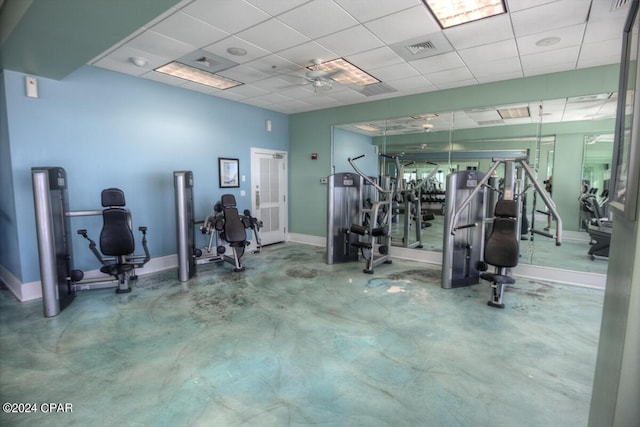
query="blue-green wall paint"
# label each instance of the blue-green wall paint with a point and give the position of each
(112, 130)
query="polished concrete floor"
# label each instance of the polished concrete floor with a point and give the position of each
(293, 341)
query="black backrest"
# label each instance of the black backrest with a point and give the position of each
(502, 247)
(228, 201)
(234, 231)
(116, 237)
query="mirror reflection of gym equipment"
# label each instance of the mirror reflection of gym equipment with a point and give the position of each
(60, 280)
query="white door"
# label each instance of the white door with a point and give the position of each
(269, 193)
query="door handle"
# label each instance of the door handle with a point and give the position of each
(257, 199)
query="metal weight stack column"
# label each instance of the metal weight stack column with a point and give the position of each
(54, 239)
(344, 209)
(183, 186)
(463, 250)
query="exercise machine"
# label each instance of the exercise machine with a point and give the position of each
(225, 228)
(374, 230)
(344, 208)
(59, 280)
(466, 257)
(411, 197)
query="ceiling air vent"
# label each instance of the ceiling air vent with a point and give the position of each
(419, 47)
(617, 4)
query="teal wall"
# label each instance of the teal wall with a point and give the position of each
(311, 132)
(112, 130)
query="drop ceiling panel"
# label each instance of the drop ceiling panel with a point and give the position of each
(446, 61)
(220, 49)
(273, 35)
(561, 59)
(230, 16)
(404, 25)
(317, 19)
(550, 16)
(277, 7)
(187, 29)
(363, 10)
(485, 70)
(602, 53)
(490, 52)
(567, 37)
(350, 41)
(380, 57)
(160, 45)
(283, 37)
(484, 31)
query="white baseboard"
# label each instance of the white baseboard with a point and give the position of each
(33, 290)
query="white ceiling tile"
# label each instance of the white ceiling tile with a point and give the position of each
(363, 11)
(404, 25)
(457, 83)
(317, 19)
(277, 7)
(124, 55)
(569, 36)
(394, 72)
(243, 74)
(446, 61)
(187, 29)
(272, 64)
(517, 5)
(352, 40)
(484, 70)
(303, 54)
(220, 49)
(230, 16)
(415, 84)
(489, 52)
(550, 16)
(600, 53)
(272, 84)
(497, 76)
(247, 91)
(376, 58)
(160, 45)
(552, 60)
(480, 32)
(273, 36)
(603, 30)
(442, 78)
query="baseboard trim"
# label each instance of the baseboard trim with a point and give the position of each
(33, 290)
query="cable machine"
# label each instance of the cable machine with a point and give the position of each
(464, 238)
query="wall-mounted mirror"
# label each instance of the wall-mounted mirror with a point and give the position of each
(554, 134)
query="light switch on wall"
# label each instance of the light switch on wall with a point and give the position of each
(243, 193)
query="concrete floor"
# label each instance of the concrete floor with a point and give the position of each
(293, 341)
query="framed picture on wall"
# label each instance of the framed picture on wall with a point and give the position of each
(623, 191)
(228, 170)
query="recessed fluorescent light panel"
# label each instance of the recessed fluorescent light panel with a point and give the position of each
(450, 13)
(514, 113)
(196, 75)
(342, 71)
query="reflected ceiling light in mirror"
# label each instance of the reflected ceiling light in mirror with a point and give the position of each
(195, 75)
(450, 13)
(514, 113)
(368, 128)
